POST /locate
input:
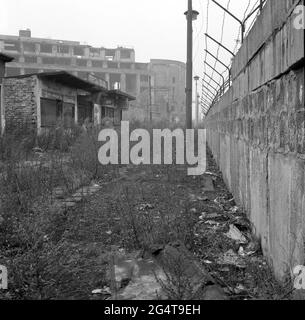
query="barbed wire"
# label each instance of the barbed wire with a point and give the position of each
(203, 99)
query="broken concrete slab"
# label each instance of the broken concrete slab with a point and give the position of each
(208, 183)
(153, 277)
(177, 261)
(135, 278)
(236, 235)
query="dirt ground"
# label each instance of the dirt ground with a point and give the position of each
(148, 207)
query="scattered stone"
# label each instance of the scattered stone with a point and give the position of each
(156, 249)
(208, 184)
(232, 202)
(231, 258)
(214, 216)
(146, 206)
(243, 253)
(203, 199)
(203, 216)
(211, 174)
(240, 289)
(37, 150)
(236, 235)
(105, 291)
(234, 209)
(213, 223)
(176, 255)
(137, 278)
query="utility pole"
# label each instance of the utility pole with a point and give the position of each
(196, 78)
(190, 15)
(150, 102)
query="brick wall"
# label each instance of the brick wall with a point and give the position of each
(20, 102)
(257, 134)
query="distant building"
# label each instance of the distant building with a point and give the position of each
(44, 100)
(3, 60)
(169, 88)
(117, 66)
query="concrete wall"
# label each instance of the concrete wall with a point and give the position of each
(257, 134)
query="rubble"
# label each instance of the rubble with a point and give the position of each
(236, 235)
(231, 258)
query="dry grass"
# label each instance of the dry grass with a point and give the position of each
(56, 254)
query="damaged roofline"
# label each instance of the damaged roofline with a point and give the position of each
(64, 78)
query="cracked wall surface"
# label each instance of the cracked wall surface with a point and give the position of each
(257, 133)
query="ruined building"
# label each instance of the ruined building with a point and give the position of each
(159, 86)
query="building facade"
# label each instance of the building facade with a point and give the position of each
(48, 99)
(117, 66)
(169, 89)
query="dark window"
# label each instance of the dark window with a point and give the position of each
(112, 65)
(49, 112)
(68, 114)
(54, 111)
(64, 61)
(29, 47)
(174, 80)
(125, 54)
(12, 45)
(63, 49)
(85, 112)
(81, 62)
(78, 51)
(48, 60)
(110, 54)
(97, 64)
(30, 59)
(95, 52)
(59, 109)
(125, 65)
(103, 112)
(141, 66)
(131, 83)
(46, 48)
(109, 113)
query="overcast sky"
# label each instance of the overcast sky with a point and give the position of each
(155, 28)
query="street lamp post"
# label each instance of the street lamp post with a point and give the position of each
(191, 15)
(196, 78)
